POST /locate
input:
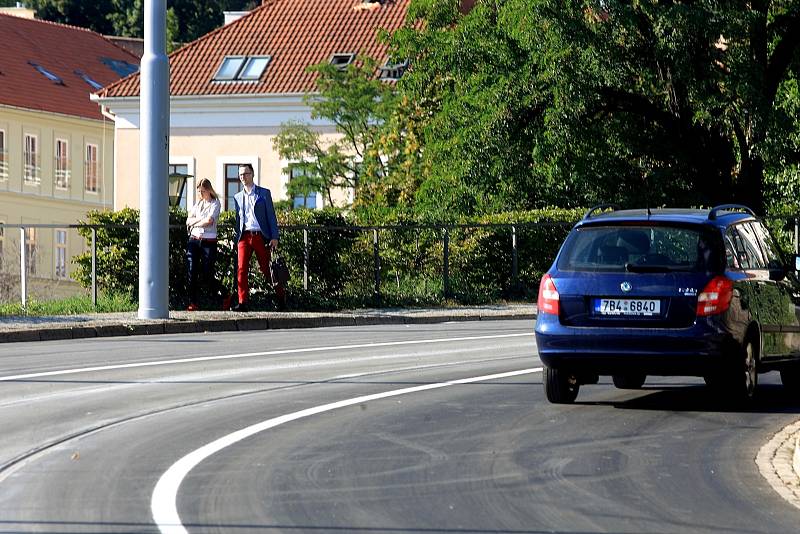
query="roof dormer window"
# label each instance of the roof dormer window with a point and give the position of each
(392, 71)
(242, 68)
(340, 61)
(46, 73)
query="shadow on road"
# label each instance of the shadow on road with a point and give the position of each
(770, 398)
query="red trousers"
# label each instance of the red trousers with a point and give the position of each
(249, 243)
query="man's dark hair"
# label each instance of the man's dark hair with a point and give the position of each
(249, 166)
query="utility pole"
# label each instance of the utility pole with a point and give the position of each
(153, 165)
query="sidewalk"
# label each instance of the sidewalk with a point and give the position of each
(48, 328)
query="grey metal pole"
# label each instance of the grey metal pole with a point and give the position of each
(795, 235)
(23, 268)
(377, 253)
(94, 267)
(446, 263)
(153, 166)
(305, 259)
(514, 259)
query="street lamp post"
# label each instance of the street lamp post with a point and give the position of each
(177, 183)
(153, 166)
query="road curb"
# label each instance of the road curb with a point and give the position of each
(239, 323)
(778, 462)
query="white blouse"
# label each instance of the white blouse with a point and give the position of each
(204, 209)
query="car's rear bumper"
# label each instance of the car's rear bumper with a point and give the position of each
(697, 350)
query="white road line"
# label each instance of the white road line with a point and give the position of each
(163, 503)
(62, 372)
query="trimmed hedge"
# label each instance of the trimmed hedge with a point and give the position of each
(341, 258)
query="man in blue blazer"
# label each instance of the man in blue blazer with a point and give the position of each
(256, 226)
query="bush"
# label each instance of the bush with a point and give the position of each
(341, 259)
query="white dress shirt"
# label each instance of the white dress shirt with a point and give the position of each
(204, 209)
(249, 200)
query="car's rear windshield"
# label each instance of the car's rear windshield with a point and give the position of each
(641, 249)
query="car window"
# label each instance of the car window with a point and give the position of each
(771, 252)
(747, 248)
(619, 248)
(730, 252)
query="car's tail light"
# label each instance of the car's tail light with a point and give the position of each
(548, 296)
(715, 297)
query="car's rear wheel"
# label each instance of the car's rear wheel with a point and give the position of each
(742, 378)
(629, 380)
(560, 386)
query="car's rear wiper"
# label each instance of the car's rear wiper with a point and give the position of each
(639, 268)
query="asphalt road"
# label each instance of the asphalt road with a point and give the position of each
(362, 430)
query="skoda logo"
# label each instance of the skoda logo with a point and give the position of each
(625, 286)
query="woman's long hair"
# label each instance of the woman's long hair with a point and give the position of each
(205, 183)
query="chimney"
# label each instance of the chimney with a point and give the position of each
(19, 11)
(233, 16)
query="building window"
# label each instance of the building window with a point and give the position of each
(2, 243)
(340, 61)
(31, 157)
(303, 180)
(241, 68)
(61, 253)
(181, 169)
(232, 184)
(392, 71)
(3, 156)
(90, 173)
(62, 164)
(30, 251)
(46, 73)
(121, 68)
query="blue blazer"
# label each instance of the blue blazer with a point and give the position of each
(264, 211)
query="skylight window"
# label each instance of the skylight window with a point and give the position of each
(86, 78)
(122, 68)
(46, 73)
(230, 68)
(393, 71)
(340, 61)
(242, 68)
(254, 67)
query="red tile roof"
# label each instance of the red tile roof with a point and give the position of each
(62, 50)
(295, 33)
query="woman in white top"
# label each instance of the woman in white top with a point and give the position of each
(202, 248)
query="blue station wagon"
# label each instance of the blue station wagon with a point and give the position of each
(670, 292)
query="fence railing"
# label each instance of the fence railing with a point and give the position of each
(387, 253)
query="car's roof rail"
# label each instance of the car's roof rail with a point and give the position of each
(600, 207)
(729, 207)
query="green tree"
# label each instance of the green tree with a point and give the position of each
(539, 101)
(366, 155)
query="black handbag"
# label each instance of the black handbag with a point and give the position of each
(278, 270)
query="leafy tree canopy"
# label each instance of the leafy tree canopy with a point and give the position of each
(536, 102)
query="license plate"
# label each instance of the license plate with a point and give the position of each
(641, 307)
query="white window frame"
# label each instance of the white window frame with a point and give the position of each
(62, 174)
(2, 241)
(3, 155)
(60, 254)
(30, 251)
(230, 160)
(318, 199)
(88, 167)
(30, 158)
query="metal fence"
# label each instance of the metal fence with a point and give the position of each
(377, 264)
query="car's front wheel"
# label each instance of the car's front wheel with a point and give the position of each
(560, 386)
(629, 381)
